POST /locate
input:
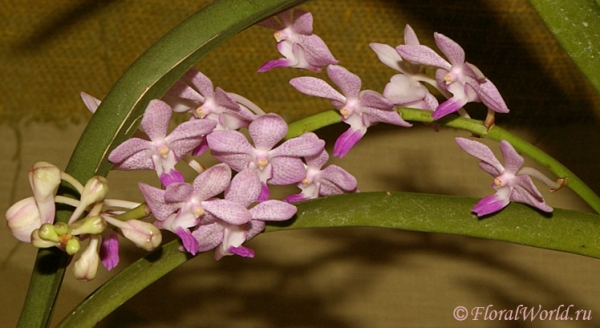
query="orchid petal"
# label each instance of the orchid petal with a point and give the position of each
(512, 160)
(156, 119)
(349, 83)
(267, 130)
(347, 140)
(245, 188)
(212, 182)
(228, 211)
(526, 192)
(109, 250)
(90, 102)
(480, 151)
(489, 204)
(316, 51)
(303, 22)
(308, 144)
(286, 170)
(229, 142)
(209, 236)
(410, 37)
(316, 87)
(388, 55)
(128, 149)
(339, 177)
(273, 210)
(275, 63)
(402, 90)
(256, 227)
(178, 192)
(201, 82)
(317, 161)
(453, 51)
(490, 96)
(448, 107)
(155, 200)
(189, 242)
(423, 55)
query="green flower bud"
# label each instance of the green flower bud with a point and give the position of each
(73, 246)
(38, 242)
(61, 228)
(92, 225)
(48, 233)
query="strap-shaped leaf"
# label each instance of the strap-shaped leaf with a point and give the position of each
(517, 223)
(575, 24)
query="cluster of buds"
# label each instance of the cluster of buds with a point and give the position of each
(94, 218)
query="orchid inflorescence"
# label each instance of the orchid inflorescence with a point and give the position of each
(221, 210)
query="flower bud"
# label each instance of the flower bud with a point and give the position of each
(73, 246)
(143, 234)
(39, 242)
(86, 266)
(48, 232)
(92, 225)
(61, 228)
(94, 191)
(22, 218)
(44, 179)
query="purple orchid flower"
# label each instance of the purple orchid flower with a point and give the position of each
(406, 89)
(333, 180)
(181, 206)
(162, 151)
(295, 41)
(464, 80)
(512, 183)
(228, 238)
(359, 109)
(195, 94)
(278, 166)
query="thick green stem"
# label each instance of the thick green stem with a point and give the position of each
(476, 127)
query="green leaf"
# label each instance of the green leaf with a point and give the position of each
(575, 24)
(564, 230)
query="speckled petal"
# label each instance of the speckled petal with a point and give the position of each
(453, 51)
(267, 130)
(480, 151)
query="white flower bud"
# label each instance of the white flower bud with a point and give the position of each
(143, 234)
(23, 218)
(86, 266)
(94, 191)
(44, 179)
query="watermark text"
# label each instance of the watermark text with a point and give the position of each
(522, 312)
